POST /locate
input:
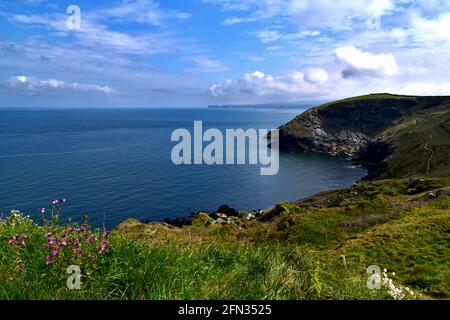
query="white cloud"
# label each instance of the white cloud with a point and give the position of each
(232, 5)
(338, 13)
(316, 75)
(32, 86)
(274, 48)
(95, 32)
(34, 2)
(267, 36)
(430, 31)
(359, 63)
(259, 84)
(140, 11)
(94, 35)
(425, 88)
(206, 64)
(235, 20)
(342, 7)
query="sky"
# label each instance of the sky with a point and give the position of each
(193, 53)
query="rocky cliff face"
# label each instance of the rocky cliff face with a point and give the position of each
(362, 127)
(309, 133)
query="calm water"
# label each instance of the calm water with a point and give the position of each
(115, 164)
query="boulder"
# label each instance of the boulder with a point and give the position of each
(179, 221)
(231, 212)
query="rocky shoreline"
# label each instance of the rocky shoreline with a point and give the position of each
(223, 215)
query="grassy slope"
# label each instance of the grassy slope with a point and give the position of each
(293, 252)
(421, 144)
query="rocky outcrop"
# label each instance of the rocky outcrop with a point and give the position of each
(223, 215)
(310, 134)
(344, 127)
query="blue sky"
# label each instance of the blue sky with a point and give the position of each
(191, 53)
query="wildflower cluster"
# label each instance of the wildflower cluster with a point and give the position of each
(17, 242)
(16, 218)
(52, 243)
(77, 242)
(396, 292)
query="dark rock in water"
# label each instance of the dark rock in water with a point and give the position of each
(231, 212)
(179, 221)
(223, 208)
(214, 216)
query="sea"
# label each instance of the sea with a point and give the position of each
(115, 164)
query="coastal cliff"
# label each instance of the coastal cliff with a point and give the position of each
(392, 136)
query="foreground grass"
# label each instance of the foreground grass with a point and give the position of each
(173, 270)
(131, 270)
(295, 251)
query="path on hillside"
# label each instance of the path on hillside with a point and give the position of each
(426, 147)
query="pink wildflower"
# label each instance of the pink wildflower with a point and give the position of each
(13, 240)
(103, 246)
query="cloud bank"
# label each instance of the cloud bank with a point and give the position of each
(307, 82)
(32, 86)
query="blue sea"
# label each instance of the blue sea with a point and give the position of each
(114, 164)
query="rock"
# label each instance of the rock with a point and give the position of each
(179, 221)
(214, 215)
(248, 216)
(311, 132)
(220, 220)
(251, 217)
(223, 208)
(228, 211)
(223, 221)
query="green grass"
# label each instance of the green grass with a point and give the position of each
(421, 145)
(176, 270)
(294, 252)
